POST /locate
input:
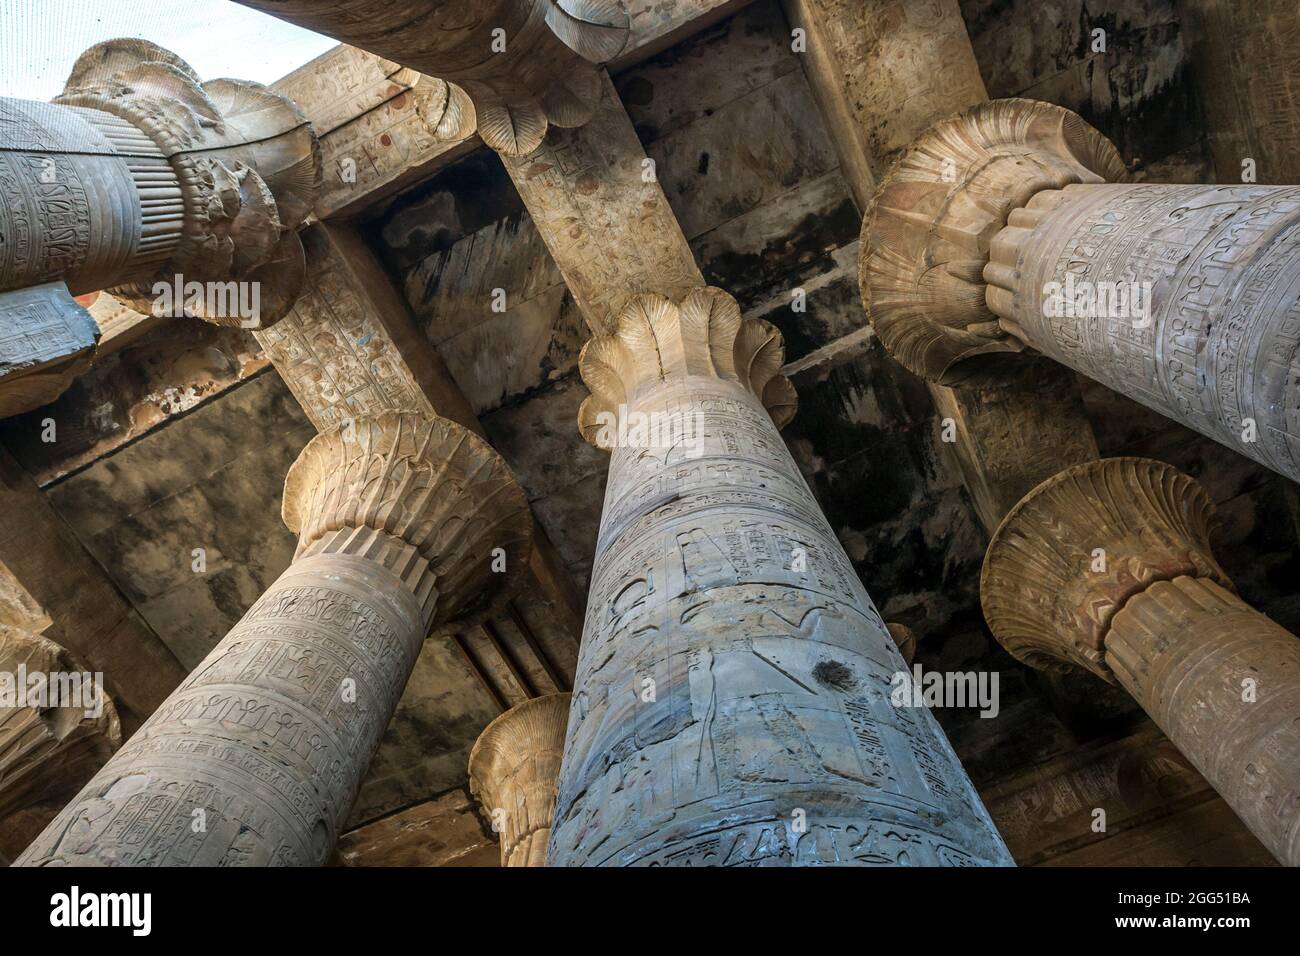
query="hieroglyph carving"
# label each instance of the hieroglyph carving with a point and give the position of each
(403, 523)
(525, 64)
(1107, 566)
(139, 175)
(1002, 231)
(732, 699)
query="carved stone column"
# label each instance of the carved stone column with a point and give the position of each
(1107, 566)
(138, 173)
(257, 756)
(514, 769)
(732, 699)
(46, 752)
(998, 233)
(525, 64)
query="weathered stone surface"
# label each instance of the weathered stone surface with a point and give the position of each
(1218, 344)
(139, 174)
(514, 770)
(1108, 566)
(525, 64)
(382, 126)
(398, 517)
(445, 831)
(603, 214)
(883, 70)
(46, 753)
(89, 615)
(46, 342)
(1159, 810)
(1245, 65)
(349, 348)
(926, 237)
(1139, 90)
(767, 701)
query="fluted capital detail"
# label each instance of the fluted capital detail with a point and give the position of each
(906, 640)
(657, 341)
(527, 65)
(514, 771)
(1066, 558)
(46, 752)
(246, 161)
(423, 495)
(926, 236)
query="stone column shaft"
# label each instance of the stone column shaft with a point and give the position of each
(256, 758)
(1107, 566)
(1006, 231)
(732, 699)
(1216, 269)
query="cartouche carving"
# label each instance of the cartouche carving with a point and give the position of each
(732, 701)
(257, 757)
(1108, 566)
(514, 769)
(525, 64)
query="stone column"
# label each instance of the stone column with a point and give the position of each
(514, 769)
(137, 174)
(1002, 231)
(256, 758)
(525, 65)
(732, 698)
(51, 740)
(1108, 566)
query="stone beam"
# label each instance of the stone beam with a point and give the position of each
(349, 348)
(882, 71)
(596, 201)
(1244, 56)
(1107, 566)
(138, 175)
(384, 127)
(264, 745)
(88, 615)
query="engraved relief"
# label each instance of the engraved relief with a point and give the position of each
(256, 758)
(704, 728)
(1161, 620)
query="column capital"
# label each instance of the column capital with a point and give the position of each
(926, 235)
(422, 495)
(48, 752)
(657, 341)
(514, 768)
(1068, 557)
(244, 159)
(525, 64)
